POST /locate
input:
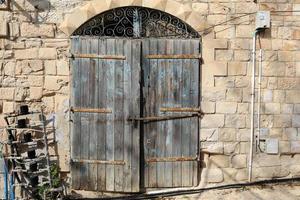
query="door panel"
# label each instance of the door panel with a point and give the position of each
(170, 83)
(105, 153)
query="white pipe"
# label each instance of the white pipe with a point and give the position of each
(252, 107)
(259, 99)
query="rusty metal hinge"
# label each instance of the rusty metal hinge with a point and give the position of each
(173, 56)
(91, 110)
(109, 162)
(172, 159)
(96, 56)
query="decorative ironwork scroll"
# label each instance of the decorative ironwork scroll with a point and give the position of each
(136, 22)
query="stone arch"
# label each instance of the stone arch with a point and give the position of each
(82, 14)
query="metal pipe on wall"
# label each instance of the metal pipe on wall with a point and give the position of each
(259, 100)
(252, 106)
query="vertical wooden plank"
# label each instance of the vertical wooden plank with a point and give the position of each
(76, 123)
(93, 103)
(135, 93)
(170, 123)
(185, 125)
(161, 137)
(128, 112)
(195, 47)
(118, 114)
(153, 110)
(176, 76)
(110, 145)
(85, 117)
(101, 121)
(146, 106)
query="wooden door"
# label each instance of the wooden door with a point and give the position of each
(105, 152)
(171, 96)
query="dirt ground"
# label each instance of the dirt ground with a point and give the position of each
(269, 192)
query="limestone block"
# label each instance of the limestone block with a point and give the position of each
(289, 83)
(243, 108)
(7, 93)
(284, 147)
(241, 175)
(54, 83)
(296, 7)
(237, 68)
(265, 160)
(37, 30)
(270, 172)
(62, 67)
(3, 24)
(26, 54)
(272, 108)
(225, 31)
(282, 121)
(227, 134)
(50, 67)
(208, 107)
(212, 147)
(267, 96)
(56, 43)
(209, 43)
(272, 83)
(156, 4)
(226, 107)
(235, 121)
(29, 67)
(295, 170)
(212, 121)
(287, 108)
(218, 161)
(214, 175)
(277, 44)
(242, 81)
(298, 69)
(292, 96)
(8, 107)
(213, 94)
(215, 19)
(36, 81)
(223, 55)
(9, 68)
(234, 94)
(48, 102)
(279, 96)
(197, 21)
(241, 44)
(246, 7)
(6, 54)
(220, 8)
(239, 161)
(290, 134)
(47, 53)
(291, 45)
(209, 135)
(227, 81)
(285, 56)
(36, 93)
(216, 68)
(295, 146)
(244, 147)
(296, 121)
(242, 55)
(201, 8)
(231, 147)
(244, 31)
(36, 42)
(177, 9)
(243, 135)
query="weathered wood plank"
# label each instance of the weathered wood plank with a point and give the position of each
(93, 102)
(75, 126)
(174, 56)
(118, 114)
(97, 56)
(92, 110)
(136, 93)
(110, 136)
(101, 122)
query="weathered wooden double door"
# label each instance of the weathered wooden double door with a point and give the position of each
(134, 113)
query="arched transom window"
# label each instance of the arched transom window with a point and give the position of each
(136, 22)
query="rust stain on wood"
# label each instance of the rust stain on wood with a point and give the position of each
(105, 57)
(182, 56)
(172, 159)
(91, 110)
(161, 118)
(108, 162)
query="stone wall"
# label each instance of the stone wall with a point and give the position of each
(35, 70)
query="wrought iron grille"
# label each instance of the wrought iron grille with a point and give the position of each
(136, 22)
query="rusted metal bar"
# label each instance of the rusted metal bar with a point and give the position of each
(172, 159)
(180, 110)
(182, 56)
(91, 110)
(162, 118)
(105, 57)
(108, 162)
